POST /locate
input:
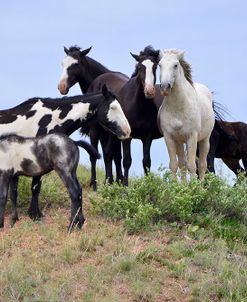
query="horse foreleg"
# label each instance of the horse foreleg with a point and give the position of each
(171, 147)
(108, 151)
(203, 152)
(94, 139)
(146, 162)
(191, 154)
(127, 160)
(181, 160)
(13, 196)
(34, 211)
(4, 185)
(118, 160)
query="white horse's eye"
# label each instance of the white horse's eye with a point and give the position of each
(113, 107)
(175, 66)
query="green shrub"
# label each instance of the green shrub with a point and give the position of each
(212, 203)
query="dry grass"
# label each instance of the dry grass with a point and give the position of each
(41, 262)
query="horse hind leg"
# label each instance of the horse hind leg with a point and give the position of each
(34, 211)
(75, 192)
(203, 153)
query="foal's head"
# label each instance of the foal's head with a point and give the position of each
(172, 64)
(146, 66)
(71, 68)
(111, 116)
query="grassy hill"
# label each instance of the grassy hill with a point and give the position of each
(157, 240)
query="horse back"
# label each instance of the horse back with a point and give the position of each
(113, 80)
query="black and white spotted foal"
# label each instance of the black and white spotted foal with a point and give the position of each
(38, 156)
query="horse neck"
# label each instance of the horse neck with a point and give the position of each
(90, 70)
(135, 90)
(83, 109)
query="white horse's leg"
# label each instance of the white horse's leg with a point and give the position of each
(203, 152)
(171, 147)
(181, 161)
(191, 153)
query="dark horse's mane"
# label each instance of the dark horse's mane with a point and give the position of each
(148, 51)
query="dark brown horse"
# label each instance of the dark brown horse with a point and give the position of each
(229, 142)
(81, 69)
(140, 100)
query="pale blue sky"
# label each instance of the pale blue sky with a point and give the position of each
(212, 33)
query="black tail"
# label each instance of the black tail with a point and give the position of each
(220, 111)
(89, 148)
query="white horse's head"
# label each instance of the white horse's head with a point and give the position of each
(169, 68)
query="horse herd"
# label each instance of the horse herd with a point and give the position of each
(113, 110)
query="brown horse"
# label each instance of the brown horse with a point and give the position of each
(229, 142)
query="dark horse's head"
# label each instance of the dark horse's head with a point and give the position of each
(71, 68)
(146, 69)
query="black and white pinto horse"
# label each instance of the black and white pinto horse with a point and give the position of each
(80, 68)
(39, 116)
(37, 156)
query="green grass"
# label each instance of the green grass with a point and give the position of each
(156, 240)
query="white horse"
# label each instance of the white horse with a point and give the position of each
(186, 115)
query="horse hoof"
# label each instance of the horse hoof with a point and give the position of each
(37, 215)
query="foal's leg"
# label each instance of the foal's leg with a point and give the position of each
(203, 152)
(171, 147)
(75, 192)
(13, 195)
(127, 160)
(146, 162)
(34, 211)
(4, 185)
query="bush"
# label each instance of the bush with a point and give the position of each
(151, 199)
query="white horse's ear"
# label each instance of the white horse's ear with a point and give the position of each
(161, 54)
(181, 54)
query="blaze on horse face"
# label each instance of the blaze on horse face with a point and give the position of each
(71, 71)
(111, 117)
(146, 70)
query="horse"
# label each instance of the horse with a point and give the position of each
(229, 142)
(140, 100)
(186, 115)
(37, 156)
(82, 69)
(39, 116)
